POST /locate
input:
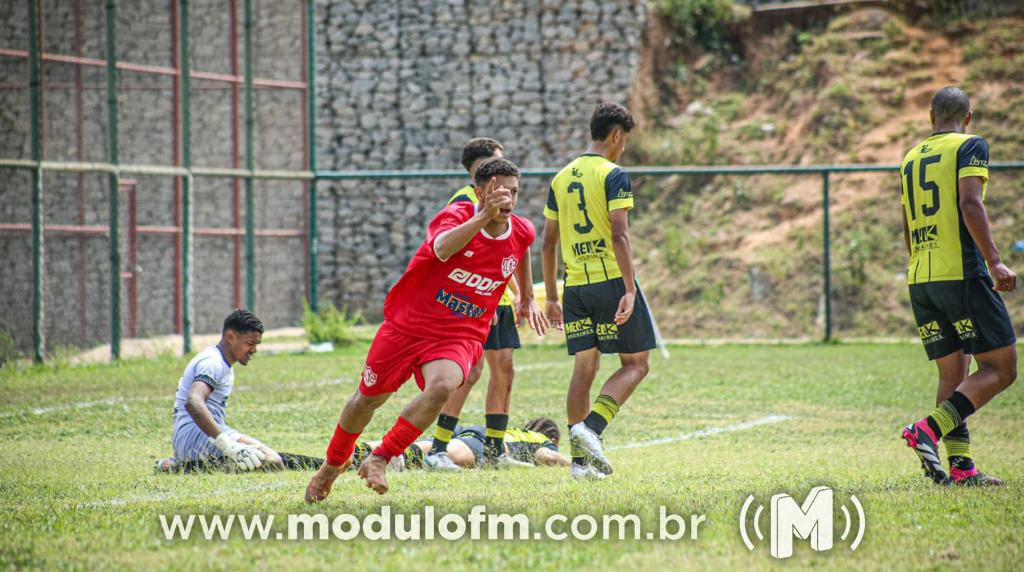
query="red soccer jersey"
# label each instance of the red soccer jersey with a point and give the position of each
(457, 297)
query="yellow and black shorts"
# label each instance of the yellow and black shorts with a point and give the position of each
(589, 317)
(504, 334)
(963, 315)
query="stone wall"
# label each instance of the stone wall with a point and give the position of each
(402, 85)
(407, 83)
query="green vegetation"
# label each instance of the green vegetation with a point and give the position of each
(8, 352)
(704, 21)
(328, 325)
(77, 446)
(742, 256)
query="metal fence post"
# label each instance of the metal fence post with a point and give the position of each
(38, 337)
(114, 183)
(250, 208)
(314, 247)
(826, 255)
(187, 182)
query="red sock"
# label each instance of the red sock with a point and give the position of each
(341, 446)
(401, 435)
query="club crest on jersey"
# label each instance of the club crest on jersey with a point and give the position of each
(508, 266)
(369, 378)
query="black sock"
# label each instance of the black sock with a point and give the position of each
(300, 462)
(494, 437)
(605, 409)
(963, 405)
(958, 448)
(443, 433)
(950, 413)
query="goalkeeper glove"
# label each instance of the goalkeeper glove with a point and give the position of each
(245, 457)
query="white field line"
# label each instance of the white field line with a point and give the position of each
(169, 399)
(160, 497)
(542, 365)
(704, 432)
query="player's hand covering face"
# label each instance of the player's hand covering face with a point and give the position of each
(499, 197)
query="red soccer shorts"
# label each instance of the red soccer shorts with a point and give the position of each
(394, 356)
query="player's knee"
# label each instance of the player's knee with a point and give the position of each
(507, 369)
(442, 387)
(475, 373)
(1008, 375)
(361, 402)
(640, 368)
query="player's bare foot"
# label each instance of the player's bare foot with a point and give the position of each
(373, 472)
(319, 486)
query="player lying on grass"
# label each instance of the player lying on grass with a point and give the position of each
(202, 439)
(954, 275)
(535, 444)
(436, 318)
(502, 339)
(604, 312)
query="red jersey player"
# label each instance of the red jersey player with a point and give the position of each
(436, 319)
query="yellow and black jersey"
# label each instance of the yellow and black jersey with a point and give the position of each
(941, 247)
(523, 445)
(468, 193)
(580, 198)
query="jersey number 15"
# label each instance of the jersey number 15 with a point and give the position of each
(926, 185)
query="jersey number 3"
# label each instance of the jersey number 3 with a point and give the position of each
(574, 187)
(926, 185)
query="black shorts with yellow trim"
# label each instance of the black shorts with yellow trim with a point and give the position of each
(589, 317)
(504, 334)
(966, 315)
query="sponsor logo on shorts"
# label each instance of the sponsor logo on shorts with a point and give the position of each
(930, 332)
(484, 286)
(369, 378)
(579, 328)
(608, 332)
(459, 306)
(965, 329)
(508, 266)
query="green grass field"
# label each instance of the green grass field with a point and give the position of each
(77, 446)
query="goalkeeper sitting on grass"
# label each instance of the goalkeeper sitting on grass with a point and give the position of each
(202, 440)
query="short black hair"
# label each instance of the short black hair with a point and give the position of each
(544, 425)
(950, 104)
(242, 322)
(608, 116)
(495, 167)
(479, 148)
